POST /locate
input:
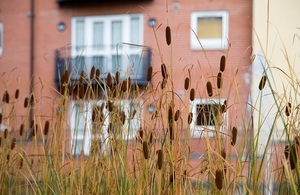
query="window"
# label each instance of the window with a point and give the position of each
(83, 130)
(98, 39)
(1, 38)
(211, 29)
(207, 115)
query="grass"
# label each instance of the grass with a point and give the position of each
(156, 158)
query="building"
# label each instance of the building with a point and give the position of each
(38, 37)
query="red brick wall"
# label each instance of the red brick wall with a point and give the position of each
(48, 14)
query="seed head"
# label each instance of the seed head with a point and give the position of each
(288, 109)
(22, 127)
(109, 80)
(97, 75)
(46, 128)
(149, 73)
(222, 64)
(190, 118)
(209, 88)
(234, 135)
(192, 94)
(124, 86)
(164, 71)
(26, 101)
(168, 35)
(160, 157)
(293, 156)
(219, 80)
(262, 82)
(219, 179)
(117, 76)
(177, 115)
(145, 149)
(5, 97)
(17, 94)
(0, 118)
(92, 73)
(186, 83)
(13, 143)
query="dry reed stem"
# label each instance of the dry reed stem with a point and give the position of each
(97, 75)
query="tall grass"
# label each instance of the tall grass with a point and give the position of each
(156, 158)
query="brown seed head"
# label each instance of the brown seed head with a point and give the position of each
(223, 153)
(192, 94)
(219, 179)
(160, 157)
(26, 101)
(46, 128)
(168, 35)
(209, 88)
(219, 80)
(149, 74)
(293, 156)
(110, 105)
(123, 117)
(286, 151)
(92, 73)
(81, 91)
(262, 82)
(190, 118)
(288, 109)
(234, 135)
(0, 118)
(222, 63)
(177, 115)
(5, 133)
(98, 75)
(13, 143)
(151, 138)
(21, 163)
(186, 83)
(164, 71)
(170, 114)
(32, 100)
(145, 149)
(17, 94)
(22, 127)
(109, 80)
(124, 86)
(5, 97)
(81, 78)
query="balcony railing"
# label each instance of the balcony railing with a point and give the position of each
(130, 61)
(84, 2)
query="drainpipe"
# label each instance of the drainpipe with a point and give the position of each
(31, 76)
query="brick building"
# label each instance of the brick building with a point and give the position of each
(37, 37)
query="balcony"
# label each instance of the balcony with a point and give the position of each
(87, 2)
(130, 61)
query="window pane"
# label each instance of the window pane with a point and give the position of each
(98, 35)
(209, 27)
(134, 30)
(116, 33)
(79, 34)
(206, 114)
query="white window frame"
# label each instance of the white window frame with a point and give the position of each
(1, 41)
(123, 50)
(197, 131)
(209, 44)
(87, 110)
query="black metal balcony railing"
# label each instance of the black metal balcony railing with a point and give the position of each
(70, 2)
(129, 61)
